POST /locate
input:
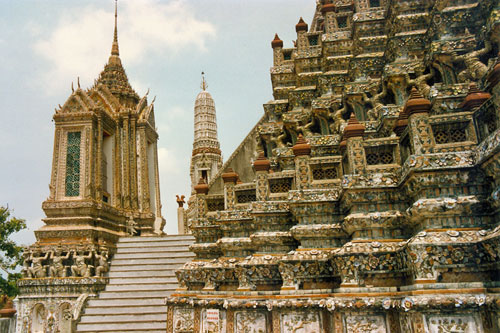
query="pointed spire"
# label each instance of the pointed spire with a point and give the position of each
(328, 7)
(204, 84)
(230, 176)
(262, 163)
(201, 187)
(114, 49)
(301, 147)
(113, 76)
(354, 128)
(474, 98)
(301, 26)
(276, 42)
(416, 103)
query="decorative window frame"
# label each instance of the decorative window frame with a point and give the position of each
(326, 162)
(381, 151)
(215, 200)
(61, 164)
(391, 143)
(466, 120)
(280, 175)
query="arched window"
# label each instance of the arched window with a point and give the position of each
(38, 316)
(65, 318)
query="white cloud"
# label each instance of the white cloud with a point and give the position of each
(139, 87)
(80, 41)
(172, 116)
(167, 162)
(177, 112)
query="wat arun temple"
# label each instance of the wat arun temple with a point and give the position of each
(365, 199)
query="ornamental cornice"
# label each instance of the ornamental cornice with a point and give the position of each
(271, 238)
(444, 160)
(372, 180)
(369, 247)
(402, 302)
(235, 243)
(433, 207)
(265, 207)
(318, 231)
(314, 195)
(363, 221)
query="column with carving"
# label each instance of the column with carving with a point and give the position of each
(261, 166)
(229, 177)
(302, 152)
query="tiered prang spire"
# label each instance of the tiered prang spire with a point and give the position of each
(206, 157)
(114, 76)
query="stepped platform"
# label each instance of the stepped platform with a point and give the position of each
(141, 276)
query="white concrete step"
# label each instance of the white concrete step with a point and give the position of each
(121, 318)
(130, 280)
(120, 302)
(131, 331)
(142, 273)
(149, 267)
(153, 261)
(136, 294)
(141, 287)
(112, 310)
(133, 249)
(151, 255)
(149, 240)
(146, 239)
(123, 327)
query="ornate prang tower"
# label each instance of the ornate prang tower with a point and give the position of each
(104, 185)
(206, 159)
(367, 198)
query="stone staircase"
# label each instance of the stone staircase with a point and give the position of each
(141, 276)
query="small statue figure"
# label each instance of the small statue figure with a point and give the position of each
(374, 100)
(80, 268)
(180, 200)
(26, 265)
(338, 121)
(57, 269)
(306, 129)
(37, 269)
(421, 80)
(398, 85)
(278, 140)
(475, 69)
(102, 263)
(131, 224)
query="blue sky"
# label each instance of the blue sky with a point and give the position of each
(164, 46)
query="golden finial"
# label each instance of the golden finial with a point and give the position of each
(204, 84)
(78, 81)
(114, 49)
